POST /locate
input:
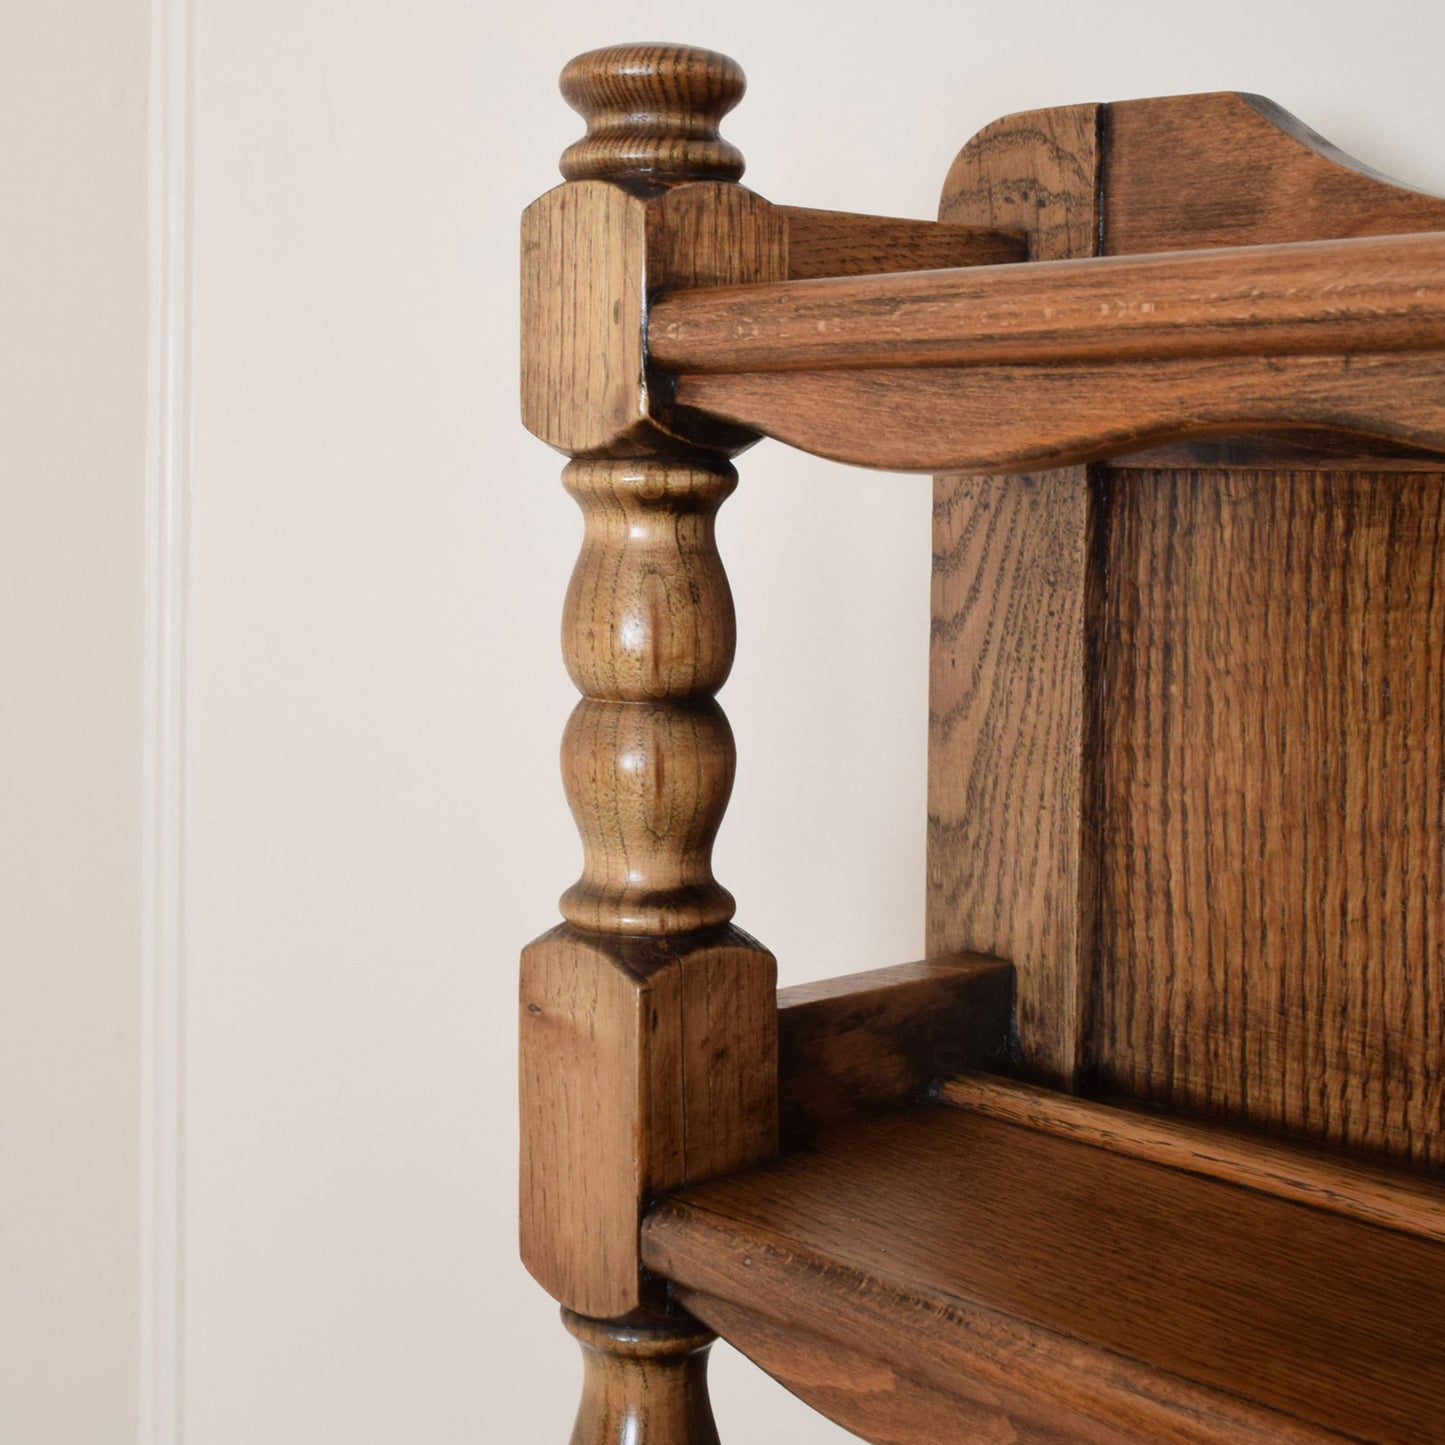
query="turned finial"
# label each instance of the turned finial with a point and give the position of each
(652, 112)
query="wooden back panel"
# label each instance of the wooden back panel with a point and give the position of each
(1187, 721)
(1272, 902)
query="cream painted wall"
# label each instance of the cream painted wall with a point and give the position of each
(374, 695)
(72, 502)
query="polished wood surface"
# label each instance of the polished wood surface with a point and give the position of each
(842, 243)
(1369, 294)
(851, 1046)
(1081, 1294)
(1021, 418)
(1224, 169)
(644, 1065)
(1010, 860)
(648, 1025)
(652, 113)
(644, 1382)
(1335, 1182)
(1277, 184)
(591, 251)
(648, 635)
(1185, 741)
(1274, 755)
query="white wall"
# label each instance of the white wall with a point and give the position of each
(72, 504)
(374, 694)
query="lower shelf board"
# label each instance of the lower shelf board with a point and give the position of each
(938, 1275)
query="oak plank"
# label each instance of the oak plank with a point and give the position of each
(1227, 169)
(1027, 418)
(1009, 863)
(842, 243)
(592, 250)
(852, 1045)
(1274, 761)
(1014, 1384)
(1368, 294)
(1338, 1183)
(951, 1246)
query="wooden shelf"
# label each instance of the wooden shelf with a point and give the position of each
(1363, 294)
(937, 1264)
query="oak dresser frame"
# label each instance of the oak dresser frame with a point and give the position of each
(1197, 286)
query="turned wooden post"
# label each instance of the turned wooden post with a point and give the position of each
(643, 1382)
(649, 1028)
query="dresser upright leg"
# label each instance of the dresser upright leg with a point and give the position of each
(645, 1382)
(648, 1023)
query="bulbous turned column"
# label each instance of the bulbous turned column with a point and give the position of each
(649, 1048)
(648, 636)
(644, 1383)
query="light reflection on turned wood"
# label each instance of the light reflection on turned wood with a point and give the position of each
(644, 1382)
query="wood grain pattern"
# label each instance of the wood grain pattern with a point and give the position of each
(1284, 451)
(843, 243)
(1275, 850)
(1227, 169)
(1022, 418)
(883, 1400)
(652, 113)
(854, 1045)
(1097, 1297)
(1036, 172)
(644, 1382)
(591, 252)
(1369, 294)
(1007, 872)
(1335, 1183)
(1224, 169)
(648, 635)
(644, 1064)
(1009, 868)
(649, 1028)
(1187, 747)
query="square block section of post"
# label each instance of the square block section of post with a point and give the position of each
(646, 1064)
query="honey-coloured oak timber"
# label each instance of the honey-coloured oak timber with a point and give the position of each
(1368, 294)
(1011, 858)
(840, 243)
(1149, 1148)
(644, 1064)
(1056, 1291)
(1333, 1182)
(1027, 418)
(592, 250)
(869, 1041)
(648, 1025)
(648, 636)
(1228, 169)
(644, 1382)
(1273, 880)
(652, 113)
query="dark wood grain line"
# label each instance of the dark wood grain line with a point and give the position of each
(1274, 853)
